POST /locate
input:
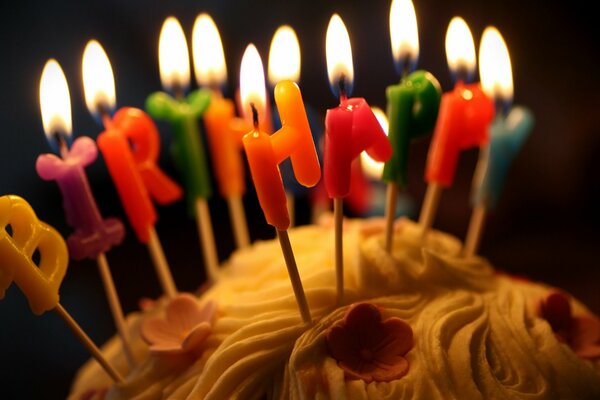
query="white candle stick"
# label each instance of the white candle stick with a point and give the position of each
(160, 264)
(115, 307)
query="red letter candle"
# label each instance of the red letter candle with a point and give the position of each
(350, 128)
(130, 145)
(463, 120)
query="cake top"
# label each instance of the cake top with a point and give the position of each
(452, 325)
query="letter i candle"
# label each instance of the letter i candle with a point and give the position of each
(412, 105)
(224, 129)
(130, 146)
(39, 282)
(93, 235)
(508, 132)
(463, 121)
(265, 153)
(187, 149)
(350, 128)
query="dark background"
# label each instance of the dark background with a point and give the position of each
(546, 226)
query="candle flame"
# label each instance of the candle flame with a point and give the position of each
(494, 66)
(98, 79)
(173, 56)
(252, 83)
(460, 50)
(207, 51)
(372, 168)
(284, 56)
(404, 35)
(339, 56)
(55, 101)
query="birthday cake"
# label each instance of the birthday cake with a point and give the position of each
(421, 322)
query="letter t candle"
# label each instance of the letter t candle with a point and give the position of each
(183, 114)
(350, 128)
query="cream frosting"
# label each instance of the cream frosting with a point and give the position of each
(476, 332)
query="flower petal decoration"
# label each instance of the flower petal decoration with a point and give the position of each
(368, 348)
(183, 327)
(580, 332)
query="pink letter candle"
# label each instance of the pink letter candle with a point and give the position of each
(93, 234)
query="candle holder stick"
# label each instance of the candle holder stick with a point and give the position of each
(160, 264)
(390, 214)
(430, 206)
(475, 231)
(88, 343)
(338, 216)
(115, 307)
(238, 221)
(207, 239)
(291, 206)
(290, 263)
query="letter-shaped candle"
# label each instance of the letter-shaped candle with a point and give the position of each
(508, 132)
(130, 145)
(182, 112)
(265, 153)
(40, 283)
(350, 128)
(224, 129)
(93, 234)
(188, 149)
(463, 120)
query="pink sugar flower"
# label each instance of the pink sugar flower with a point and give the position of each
(580, 332)
(183, 328)
(368, 348)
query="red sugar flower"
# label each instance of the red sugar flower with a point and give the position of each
(368, 348)
(580, 332)
(183, 327)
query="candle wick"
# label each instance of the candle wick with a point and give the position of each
(254, 115)
(178, 91)
(342, 86)
(104, 114)
(62, 144)
(502, 107)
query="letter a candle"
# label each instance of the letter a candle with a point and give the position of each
(412, 105)
(93, 235)
(39, 282)
(350, 128)
(265, 153)
(133, 166)
(184, 113)
(508, 132)
(464, 117)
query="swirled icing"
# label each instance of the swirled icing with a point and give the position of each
(476, 332)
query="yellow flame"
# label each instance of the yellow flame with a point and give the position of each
(173, 56)
(207, 50)
(252, 83)
(284, 56)
(373, 169)
(494, 66)
(55, 102)
(98, 78)
(404, 33)
(460, 48)
(338, 52)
